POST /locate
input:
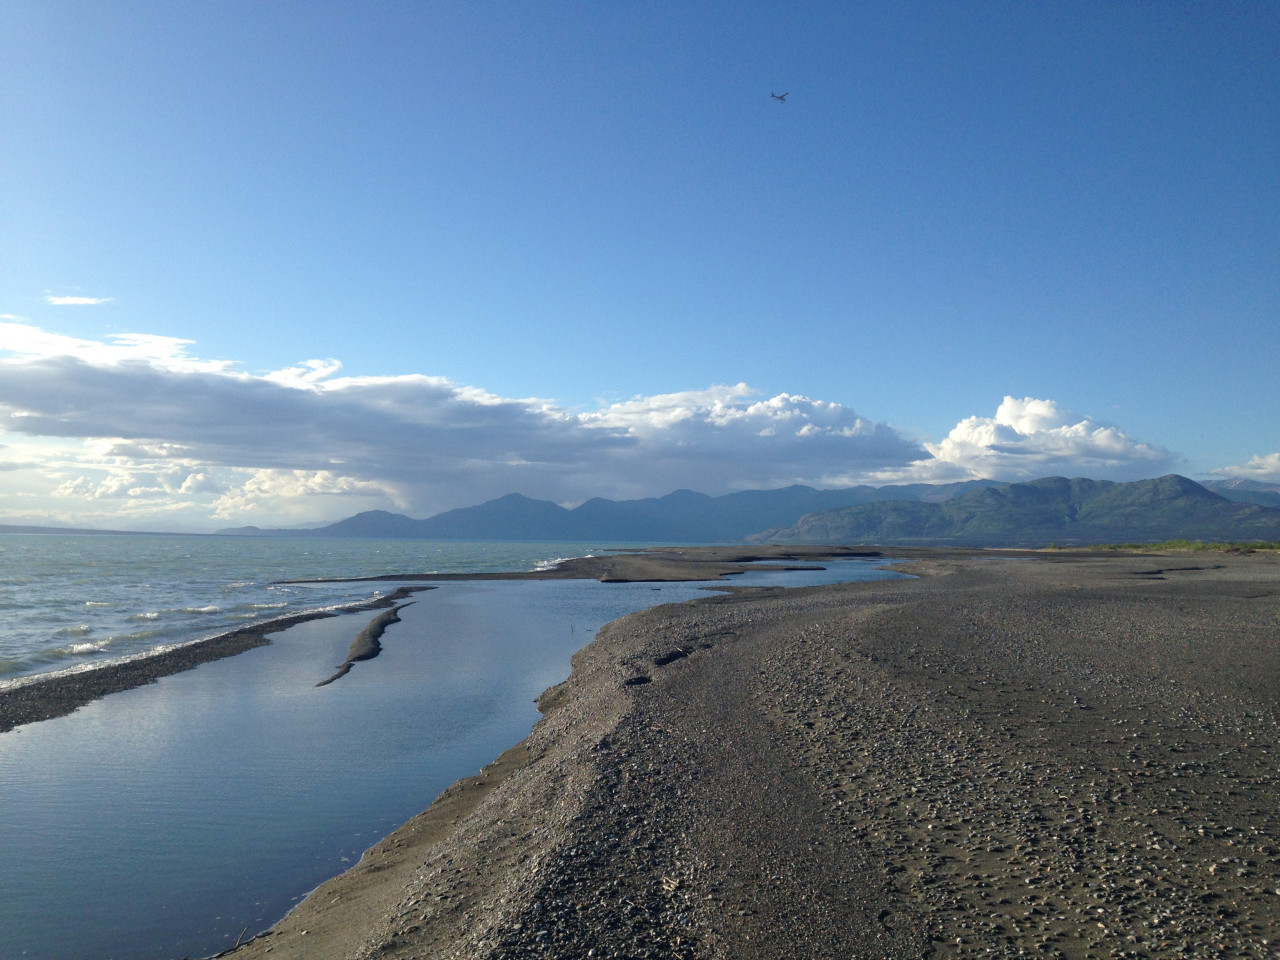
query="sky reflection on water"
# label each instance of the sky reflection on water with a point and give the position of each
(162, 821)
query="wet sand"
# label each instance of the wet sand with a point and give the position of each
(1069, 755)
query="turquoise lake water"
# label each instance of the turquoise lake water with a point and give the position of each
(163, 821)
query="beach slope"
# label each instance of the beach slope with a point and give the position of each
(1072, 755)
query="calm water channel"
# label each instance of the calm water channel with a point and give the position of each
(163, 821)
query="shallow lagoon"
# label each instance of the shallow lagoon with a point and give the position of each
(164, 821)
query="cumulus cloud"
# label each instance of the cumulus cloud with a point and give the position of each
(1262, 468)
(76, 301)
(280, 494)
(688, 438)
(116, 479)
(196, 483)
(1029, 438)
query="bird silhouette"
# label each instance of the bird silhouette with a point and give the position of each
(780, 97)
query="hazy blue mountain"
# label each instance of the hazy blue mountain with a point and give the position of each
(1054, 509)
(495, 519)
(70, 531)
(682, 516)
(371, 525)
(1246, 491)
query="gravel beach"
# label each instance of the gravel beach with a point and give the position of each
(1060, 755)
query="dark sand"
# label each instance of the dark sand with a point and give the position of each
(368, 642)
(1066, 756)
(1063, 755)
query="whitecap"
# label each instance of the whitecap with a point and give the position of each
(30, 678)
(71, 650)
(81, 649)
(550, 564)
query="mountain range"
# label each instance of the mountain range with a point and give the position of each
(1050, 510)
(680, 517)
(1246, 491)
(969, 513)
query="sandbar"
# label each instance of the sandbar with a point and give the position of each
(44, 697)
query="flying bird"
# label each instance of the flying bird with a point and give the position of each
(780, 97)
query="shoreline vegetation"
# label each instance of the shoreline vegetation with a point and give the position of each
(1067, 753)
(1190, 546)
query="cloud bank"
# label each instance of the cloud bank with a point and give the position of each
(139, 430)
(140, 423)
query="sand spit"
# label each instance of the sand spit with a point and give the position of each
(44, 698)
(1069, 756)
(657, 565)
(368, 642)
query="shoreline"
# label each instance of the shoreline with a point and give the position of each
(40, 697)
(1071, 756)
(45, 697)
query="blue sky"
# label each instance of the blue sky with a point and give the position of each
(282, 262)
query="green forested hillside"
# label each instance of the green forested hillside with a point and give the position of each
(1039, 512)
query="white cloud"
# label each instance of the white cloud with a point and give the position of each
(114, 479)
(196, 483)
(644, 415)
(80, 488)
(138, 416)
(726, 408)
(77, 301)
(25, 342)
(307, 374)
(139, 424)
(1029, 438)
(284, 495)
(1263, 468)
